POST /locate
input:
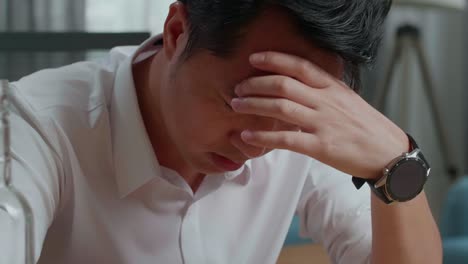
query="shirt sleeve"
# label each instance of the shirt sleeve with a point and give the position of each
(333, 213)
(36, 173)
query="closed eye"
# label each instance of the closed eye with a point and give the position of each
(227, 98)
(228, 105)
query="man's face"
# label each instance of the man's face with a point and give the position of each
(196, 95)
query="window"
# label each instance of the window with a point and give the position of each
(124, 15)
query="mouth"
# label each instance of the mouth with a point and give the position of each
(226, 164)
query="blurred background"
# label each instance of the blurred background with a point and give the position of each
(38, 34)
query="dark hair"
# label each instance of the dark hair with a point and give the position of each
(350, 28)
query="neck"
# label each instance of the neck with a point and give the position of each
(148, 87)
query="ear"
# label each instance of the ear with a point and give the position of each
(176, 30)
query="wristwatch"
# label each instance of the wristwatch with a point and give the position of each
(403, 179)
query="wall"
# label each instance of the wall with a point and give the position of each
(443, 41)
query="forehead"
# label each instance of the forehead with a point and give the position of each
(275, 30)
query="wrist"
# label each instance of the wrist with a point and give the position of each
(403, 178)
(396, 147)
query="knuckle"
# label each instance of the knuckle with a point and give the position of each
(303, 67)
(294, 110)
(286, 140)
(321, 147)
(341, 101)
(289, 109)
(283, 85)
(326, 145)
(283, 107)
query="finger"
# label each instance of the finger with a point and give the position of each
(283, 126)
(278, 108)
(278, 86)
(247, 150)
(294, 66)
(294, 141)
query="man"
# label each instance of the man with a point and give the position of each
(201, 145)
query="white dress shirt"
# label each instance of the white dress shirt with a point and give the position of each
(83, 159)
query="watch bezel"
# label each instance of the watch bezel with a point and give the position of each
(392, 172)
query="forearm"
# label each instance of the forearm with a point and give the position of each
(405, 233)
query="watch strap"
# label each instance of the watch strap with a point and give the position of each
(414, 146)
(380, 192)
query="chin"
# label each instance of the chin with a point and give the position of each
(204, 165)
(207, 163)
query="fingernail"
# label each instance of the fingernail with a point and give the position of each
(247, 135)
(236, 102)
(257, 58)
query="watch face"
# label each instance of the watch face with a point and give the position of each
(406, 180)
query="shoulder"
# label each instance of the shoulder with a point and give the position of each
(81, 86)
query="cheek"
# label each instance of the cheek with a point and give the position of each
(203, 124)
(202, 121)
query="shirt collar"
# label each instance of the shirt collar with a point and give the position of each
(245, 172)
(135, 162)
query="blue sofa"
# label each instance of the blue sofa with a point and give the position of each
(454, 224)
(293, 238)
